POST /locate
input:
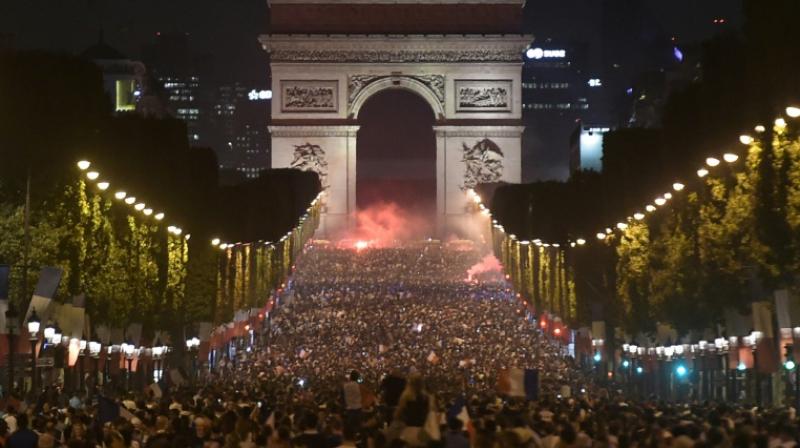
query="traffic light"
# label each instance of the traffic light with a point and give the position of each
(626, 363)
(789, 364)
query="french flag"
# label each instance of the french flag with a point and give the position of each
(516, 382)
(459, 410)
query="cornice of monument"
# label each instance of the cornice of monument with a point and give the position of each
(395, 48)
(314, 131)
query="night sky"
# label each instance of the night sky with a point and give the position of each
(227, 29)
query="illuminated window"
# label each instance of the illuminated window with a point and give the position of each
(125, 98)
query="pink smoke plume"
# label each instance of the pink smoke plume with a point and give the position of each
(385, 223)
(489, 268)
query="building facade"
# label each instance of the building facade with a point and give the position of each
(238, 124)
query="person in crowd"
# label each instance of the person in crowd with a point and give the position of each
(23, 437)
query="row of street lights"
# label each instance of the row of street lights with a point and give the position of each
(52, 337)
(710, 163)
(126, 197)
(711, 368)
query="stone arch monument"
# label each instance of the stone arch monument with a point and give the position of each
(463, 57)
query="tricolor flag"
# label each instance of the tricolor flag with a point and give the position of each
(516, 382)
(459, 411)
(42, 300)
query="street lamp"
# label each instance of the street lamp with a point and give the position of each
(81, 357)
(56, 339)
(33, 330)
(48, 333)
(128, 350)
(193, 344)
(94, 352)
(158, 352)
(12, 323)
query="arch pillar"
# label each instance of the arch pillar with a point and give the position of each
(329, 150)
(454, 175)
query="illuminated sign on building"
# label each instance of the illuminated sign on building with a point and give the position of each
(540, 53)
(258, 95)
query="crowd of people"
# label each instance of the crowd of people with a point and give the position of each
(388, 348)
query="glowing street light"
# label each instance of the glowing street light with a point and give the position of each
(92, 175)
(140, 206)
(780, 123)
(730, 157)
(677, 186)
(712, 161)
(638, 216)
(746, 139)
(147, 211)
(793, 112)
(650, 208)
(215, 242)
(159, 216)
(760, 129)
(741, 367)
(103, 186)
(601, 236)
(660, 201)
(120, 195)
(580, 241)
(84, 165)
(130, 200)
(667, 196)
(622, 226)
(702, 172)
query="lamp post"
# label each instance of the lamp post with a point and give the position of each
(193, 344)
(158, 352)
(94, 352)
(48, 332)
(33, 330)
(81, 357)
(12, 322)
(128, 350)
(753, 343)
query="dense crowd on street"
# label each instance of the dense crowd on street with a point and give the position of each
(387, 348)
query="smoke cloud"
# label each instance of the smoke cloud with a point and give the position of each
(488, 269)
(385, 224)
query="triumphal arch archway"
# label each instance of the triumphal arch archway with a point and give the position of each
(462, 57)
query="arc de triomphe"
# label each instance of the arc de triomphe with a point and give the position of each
(329, 57)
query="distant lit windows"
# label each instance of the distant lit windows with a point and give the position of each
(555, 106)
(595, 82)
(545, 85)
(125, 95)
